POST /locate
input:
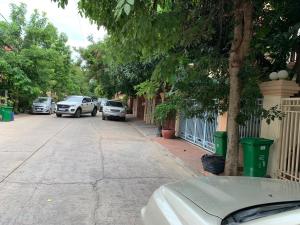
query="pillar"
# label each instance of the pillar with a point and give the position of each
(273, 92)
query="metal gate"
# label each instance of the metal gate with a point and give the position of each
(251, 128)
(289, 164)
(199, 131)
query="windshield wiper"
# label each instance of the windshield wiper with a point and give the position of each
(249, 214)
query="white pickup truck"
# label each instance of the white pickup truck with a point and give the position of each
(76, 105)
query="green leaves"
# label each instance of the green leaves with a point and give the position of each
(148, 88)
(127, 9)
(123, 5)
(40, 61)
(164, 111)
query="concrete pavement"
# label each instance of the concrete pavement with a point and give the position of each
(63, 171)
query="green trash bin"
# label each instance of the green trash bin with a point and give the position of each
(256, 154)
(220, 143)
(6, 113)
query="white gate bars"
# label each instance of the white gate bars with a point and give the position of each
(199, 131)
(252, 126)
(289, 164)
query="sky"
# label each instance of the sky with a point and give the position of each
(66, 20)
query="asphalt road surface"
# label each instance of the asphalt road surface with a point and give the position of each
(86, 171)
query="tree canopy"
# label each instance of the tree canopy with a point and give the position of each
(39, 59)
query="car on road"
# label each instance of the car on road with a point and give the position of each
(102, 102)
(43, 105)
(114, 109)
(76, 106)
(225, 201)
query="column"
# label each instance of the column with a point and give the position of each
(273, 92)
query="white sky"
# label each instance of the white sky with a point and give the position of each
(66, 20)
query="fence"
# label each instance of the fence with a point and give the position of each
(289, 167)
(199, 131)
(252, 126)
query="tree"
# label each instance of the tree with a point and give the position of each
(40, 60)
(108, 76)
(242, 35)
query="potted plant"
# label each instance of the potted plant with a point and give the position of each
(164, 112)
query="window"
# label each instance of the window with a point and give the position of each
(74, 99)
(114, 104)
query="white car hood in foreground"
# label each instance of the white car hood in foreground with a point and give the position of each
(208, 200)
(221, 196)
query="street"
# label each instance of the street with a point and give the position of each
(86, 171)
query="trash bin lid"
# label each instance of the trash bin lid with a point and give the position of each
(6, 107)
(256, 141)
(220, 134)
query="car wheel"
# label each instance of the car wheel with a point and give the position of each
(58, 114)
(50, 111)
(103, 117)
(94, 112)
(123, 118)
(77, 113)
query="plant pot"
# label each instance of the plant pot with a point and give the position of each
(168, 133)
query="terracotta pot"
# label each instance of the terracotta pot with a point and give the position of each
(168, 133)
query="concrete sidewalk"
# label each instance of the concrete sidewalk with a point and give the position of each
(183, 152)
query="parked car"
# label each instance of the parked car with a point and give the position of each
(43, 105)
(76, 106)
(114, 109)
(225, 201)
(102, 102)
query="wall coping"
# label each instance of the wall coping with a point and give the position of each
(281, 88)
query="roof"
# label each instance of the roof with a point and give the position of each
(221, 196)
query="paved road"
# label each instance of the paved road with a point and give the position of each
(67, 171)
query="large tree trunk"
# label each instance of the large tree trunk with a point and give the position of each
(239, 50)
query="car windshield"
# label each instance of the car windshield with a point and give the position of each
(73, 99)
(257, 212)
(114, 104)
(40, 100)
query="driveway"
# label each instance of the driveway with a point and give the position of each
(86, 171)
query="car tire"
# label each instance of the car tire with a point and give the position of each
(123, 118)
(50, 111)
(77, 113)
(103, 117)
(94, 112)
(58, 115)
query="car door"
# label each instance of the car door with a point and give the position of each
(84, 105)
(90, 105)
